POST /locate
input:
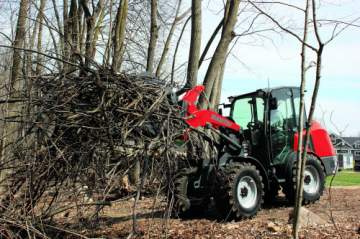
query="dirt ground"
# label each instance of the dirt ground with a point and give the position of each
(271, 222)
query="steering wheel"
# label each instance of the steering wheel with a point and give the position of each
(254, 125)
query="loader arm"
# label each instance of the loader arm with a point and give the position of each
(200, 118)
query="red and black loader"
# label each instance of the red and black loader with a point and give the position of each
(256, 154)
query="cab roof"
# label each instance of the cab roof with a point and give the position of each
(263, 92)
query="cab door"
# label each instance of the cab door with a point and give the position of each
(249, 113)
(282, 124)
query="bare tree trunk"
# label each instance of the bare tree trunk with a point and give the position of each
(210, 41)
(19, 41)
(153, 37)
(107, 54)
(298, 200)
(97, 30)
(57, 16)
(89, 32)
(168, 40)
(39, 37)
(10, 128)
(66, 38)
(119, 37)
(176, 49)
(216, 90)
(83, 35)
(81, 25)
(221, 51)
(74, 26)
(300, 174)
(60, 29)
(90, 29)
(31, 43)
(195, 44)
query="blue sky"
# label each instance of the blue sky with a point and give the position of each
(255, 62)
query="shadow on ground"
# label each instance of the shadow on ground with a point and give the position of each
(210, 213)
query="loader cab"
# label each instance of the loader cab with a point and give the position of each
(269, 119)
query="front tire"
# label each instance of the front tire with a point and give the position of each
(241, 191)
(314, 181)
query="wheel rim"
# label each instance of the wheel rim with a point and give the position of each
(311, 180)
(247, 192)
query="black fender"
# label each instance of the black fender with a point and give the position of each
(293, 157)
(321, 160)
(258, 165)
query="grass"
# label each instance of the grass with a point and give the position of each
(345, 178)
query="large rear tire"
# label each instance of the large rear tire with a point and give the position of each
(240, 191)
(314, 181)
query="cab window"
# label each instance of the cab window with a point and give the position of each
(283, 116)
(246, 110)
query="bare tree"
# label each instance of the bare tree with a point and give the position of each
(119, 37)
(153, 37)
(195, 44)
(301, 170)
(318, 50)
(91, 33)
(210, 41)
(18, 42)
(66, 36)
(216, 91)
(40, 19)
(220, 53)
(9, 132)
(298, 200)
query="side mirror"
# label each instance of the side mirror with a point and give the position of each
(273, 104)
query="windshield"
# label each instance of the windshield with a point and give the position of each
(246, 110)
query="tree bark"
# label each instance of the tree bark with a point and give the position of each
(97, 29)
(300, 179)
(153, 37)
(10, 128)
(195, 44)
(60, 29)
(119, 37)
(210, 41)
(39, 37)
(81, 25)
(221, 51)
(83, 35)
(74, 26)
(299, 157)
(31, 43)
(90, 19)
(216, 90)
(109, 44)
(66, 39)
(18, 42)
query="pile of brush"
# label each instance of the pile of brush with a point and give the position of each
(82, 134)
